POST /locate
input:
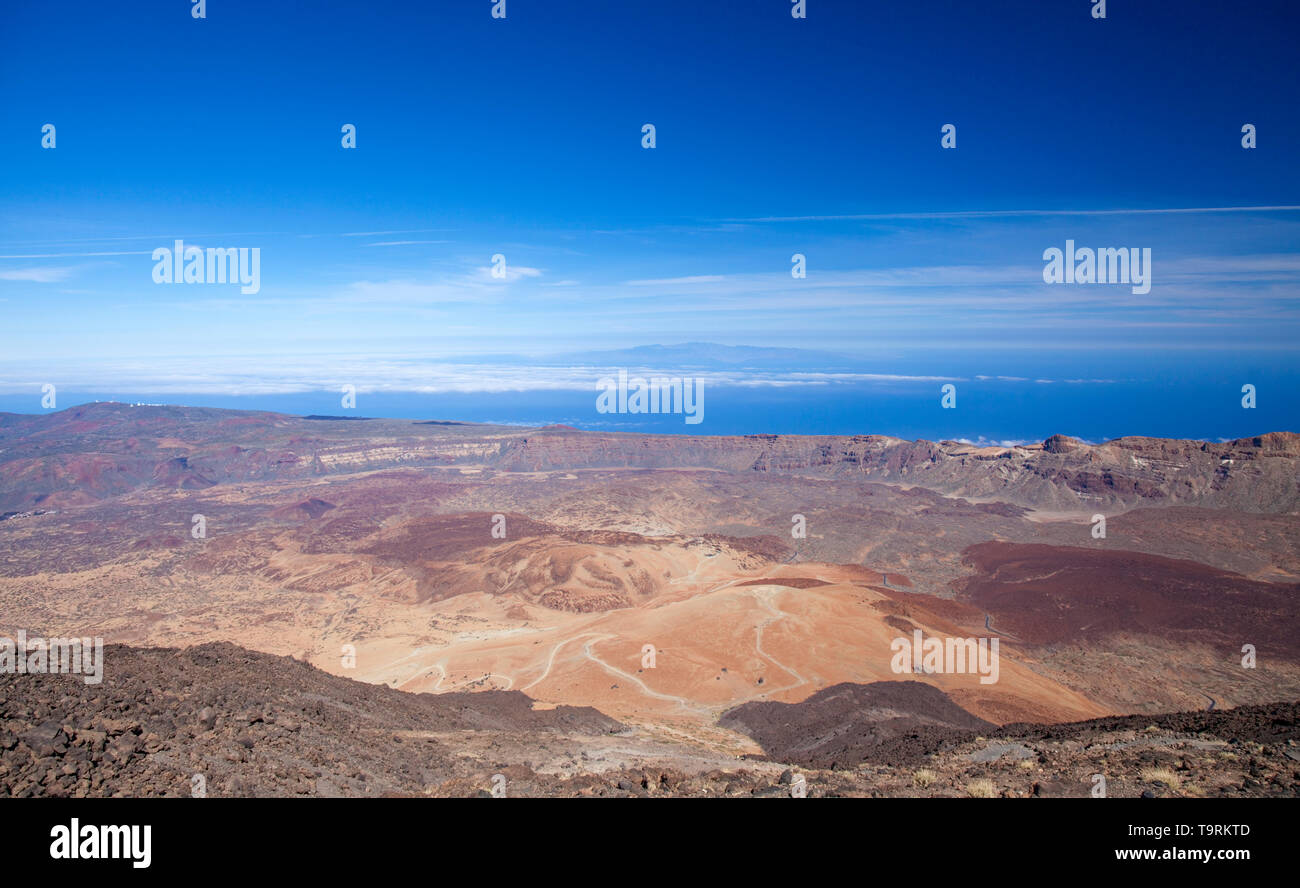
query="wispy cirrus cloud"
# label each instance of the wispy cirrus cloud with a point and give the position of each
(1008, 214)
(671, 282)
(36, 275)
(76, 255)
(406, 243)
(512, 273)
(392, 231)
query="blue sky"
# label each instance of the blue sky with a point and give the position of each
(522, 136)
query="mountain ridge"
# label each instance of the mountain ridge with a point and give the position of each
(94, 451)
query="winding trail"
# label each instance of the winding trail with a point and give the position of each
(988, 624)
(442, 676)
(682, 702)
(550, 661)
(777, 614)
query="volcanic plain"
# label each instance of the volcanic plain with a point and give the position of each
(700, 595)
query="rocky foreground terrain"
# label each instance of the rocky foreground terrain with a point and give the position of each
(218, 720)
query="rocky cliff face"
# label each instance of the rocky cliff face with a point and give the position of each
(1251, 474)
